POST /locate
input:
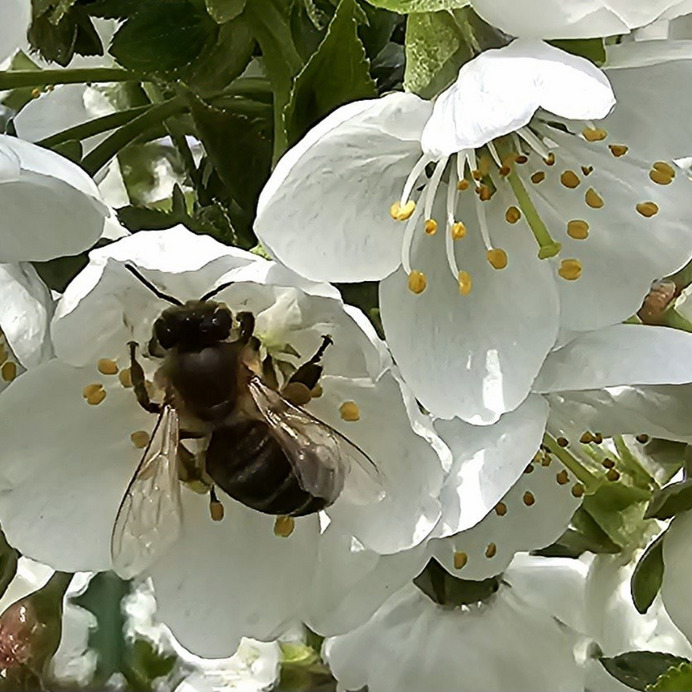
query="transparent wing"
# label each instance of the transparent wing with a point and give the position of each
(150, 513)
(326, 463)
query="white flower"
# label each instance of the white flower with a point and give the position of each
(512, 486)
(483, 310)
(222, 580)
(15, 16)
(510, 642)
(50, 206)
(570, 19)
(675, 588)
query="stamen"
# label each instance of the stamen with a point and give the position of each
(594, 134)
(470, 156)
(491, 550)
(93, 393)
(593, 199)
(618, 150)
(587, 170)
(407, 240)
(497, 258)
(413, 176)
(537, 177)
(8, 371)
(401, 212)
(570, 179)
(534, 142)
(106, 366)
(494, 154)
(642, 438)
(562, 478)
(465, 283)
(140, 439)
(613, 475)
(500, 509)
(483, 224)
(570, 269)
(578, 490)
(125, 377)
(216, 509)
(283, 526)
(349, 411)
(512, 215)
(647, 209)
(431, 188)
(529, 498)
(417, 282)
(578, 229)
(430, 226)
(460, 559)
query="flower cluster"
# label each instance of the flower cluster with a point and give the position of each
(328, 366)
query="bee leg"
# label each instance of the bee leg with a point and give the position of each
(247, 326)
(309, 373)
(139, 382)
(269, 373)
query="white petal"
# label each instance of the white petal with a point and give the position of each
(65, 464)
(676, 589)
(15, 17)
(625, 354)
(413, 644)
(619, 236)
(25, 313)
(410, 466)
(472, 356)
(325, 210)
(499, 91)
(233, 578)
(352, 582)
(51, 209)
(105, 306)
(487, 462)
(569, 19)
(65, 106)
(523, 526)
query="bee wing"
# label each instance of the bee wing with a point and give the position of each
(326, 463)
(150, 513)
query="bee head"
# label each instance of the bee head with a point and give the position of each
(193, 325)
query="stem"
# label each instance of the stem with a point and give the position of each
(586, 477)
(94, 127)
(548, 246)
(37, 78)
(155, 115)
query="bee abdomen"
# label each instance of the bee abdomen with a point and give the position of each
(248, 463)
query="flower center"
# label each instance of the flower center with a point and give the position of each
(501, 165)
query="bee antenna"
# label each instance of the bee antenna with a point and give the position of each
(216, 291)
(157, 292)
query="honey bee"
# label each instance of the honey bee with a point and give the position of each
(262, 448)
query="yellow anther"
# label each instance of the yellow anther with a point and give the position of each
(570, 179)
(140, 438)
(529, 499)
(578, 229)
(460, 559)
(618, 150)
(400, 213)
(642, 438)
(283, 526)
(546, 460)
(594, 134)
(500, 509)
(431, 226)
(587, 170)
(578, 490)
(521, 158)
(660, 177)
(106, 366)
(512, 215)
(537, 177)
(458, 230)
(570, 269)
(647, 209)
(417, 282)
(463, 184)
(349, 411)
(608, 463)
(497, 258)
(35, 93)
(491, 550)
(598, 438)
(8, 371)
(550, 159)
(529, 468)
(217, 512)
(586, 438)
(316, 392)
(613, 475)
(465, 283)
(505, 171)
(125, 377)
(593, 199)
(562, 478)
(477, 174)
(562, 441)
(664, 167)
(96, 398)
(485, 192)
(91, 389)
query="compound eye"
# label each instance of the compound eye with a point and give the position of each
(166, 333)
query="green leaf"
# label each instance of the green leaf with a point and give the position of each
(584, 534)
(239, 146)
(648, 575)
(57, 273)
(316, 92)
(8, 563)
(442, 588)
(409, 6)
(639, 669)
(677, 679)
(224, 10)
(115, 9)
(435, 49)
(592, 49)
(669, 501)
(163, 36)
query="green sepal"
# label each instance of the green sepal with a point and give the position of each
(671, 500)
(648, 575)
(223, 11)
(593, 49)
(677, 679)
(640, 669)
(412, 6)
(444, 589)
